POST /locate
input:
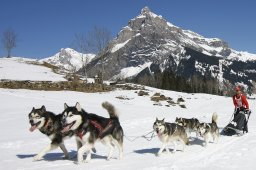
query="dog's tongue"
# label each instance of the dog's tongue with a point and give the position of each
(32, 128)
(65, 129)
(158, 134)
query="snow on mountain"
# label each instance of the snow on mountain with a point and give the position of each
(19, 146)
(17, 68)
(69, 59)
(150, 38)
(242, 56)
(131, 71)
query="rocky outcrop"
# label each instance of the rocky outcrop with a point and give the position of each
(55, 86)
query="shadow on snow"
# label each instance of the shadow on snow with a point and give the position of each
(58, 156)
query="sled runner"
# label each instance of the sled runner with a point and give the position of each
(239, 124)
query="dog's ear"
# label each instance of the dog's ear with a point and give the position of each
(207, 127)
(33, 109)
(78, 107)
(65, 106)
(156, 119)
(43, 108)
(197, 121)
(163, 120)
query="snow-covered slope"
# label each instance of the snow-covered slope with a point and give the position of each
(16, 68)
(69, 59)
(18, 145)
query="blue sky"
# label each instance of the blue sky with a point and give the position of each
(46, 26)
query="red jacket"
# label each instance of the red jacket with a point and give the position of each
(241, 101)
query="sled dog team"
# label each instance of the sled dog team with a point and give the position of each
(88, 128)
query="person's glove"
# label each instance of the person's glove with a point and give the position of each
(247, 111)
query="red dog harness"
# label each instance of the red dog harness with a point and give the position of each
(97, 126)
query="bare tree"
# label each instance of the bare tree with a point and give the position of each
(93, 41)
(81, 44)
(9, 41)
(98, 39)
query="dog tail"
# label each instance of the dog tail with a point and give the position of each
(111, 110)
(214, 117)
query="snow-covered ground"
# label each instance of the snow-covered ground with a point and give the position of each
(18, 145)
(17, 68)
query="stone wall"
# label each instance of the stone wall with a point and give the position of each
(55, 86)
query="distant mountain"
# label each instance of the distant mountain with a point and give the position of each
(149, 43)
(69, 59)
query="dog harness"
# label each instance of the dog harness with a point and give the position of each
(47, 127)
(80, 134)
(99, 127)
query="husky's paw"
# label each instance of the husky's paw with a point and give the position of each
(86, 161)
(78, 162)
(37, 158)
(66, 158)
(120, 158)
(158, 154)
(94, 150)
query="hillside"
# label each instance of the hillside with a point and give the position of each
(17, 68)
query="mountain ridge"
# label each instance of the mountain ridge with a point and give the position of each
(149, 38)
(69, 59)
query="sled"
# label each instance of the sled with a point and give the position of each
(231, 129)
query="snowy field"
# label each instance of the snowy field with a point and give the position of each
(18, 145)
(17, 68)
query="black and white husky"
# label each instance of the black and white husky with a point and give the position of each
(49, 124)
(209, 130)
(90, 128)
(170, 132)
(190, 125)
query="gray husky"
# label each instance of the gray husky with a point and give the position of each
(170, 132)
(90, 128)
(190, 125)
(49, 124)
(209, 130)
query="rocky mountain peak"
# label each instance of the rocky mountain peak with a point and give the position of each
(145, 10)
(149, 42)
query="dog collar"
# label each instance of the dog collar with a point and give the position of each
(46, 123)
(80, 134)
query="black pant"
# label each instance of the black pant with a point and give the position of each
(240, 119)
